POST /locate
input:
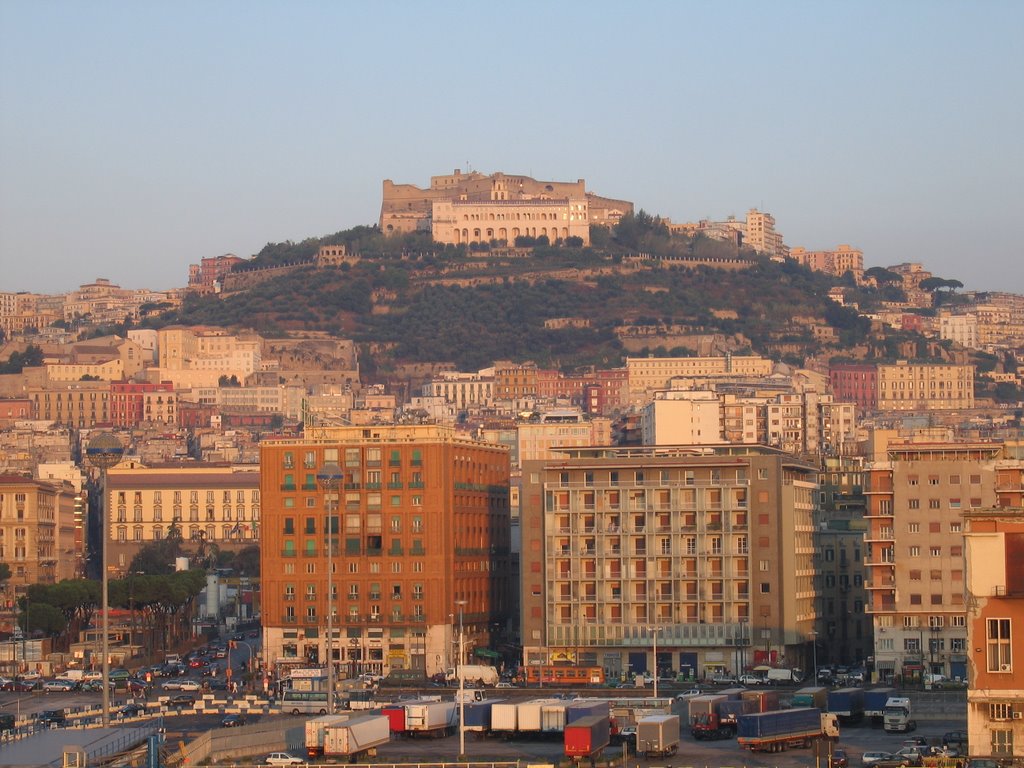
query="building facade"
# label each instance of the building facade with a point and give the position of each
(914, 553)
(422, 521)
(707, 547)
(203, 505)
(37, 531)
(994, 549)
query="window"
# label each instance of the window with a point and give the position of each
(936, 551)
(913, 503)
(762, 473)
(915, 552)
(933, 479)
(762, 565)
(998, 645)
(766, 588)
(1002, 742)
(934, 504)
(956, 527)
(913, 528)
(912, 480)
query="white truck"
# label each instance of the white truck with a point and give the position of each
(316, 729)
(897, 717)
(782, 676)
(359, 736)
(472, 673)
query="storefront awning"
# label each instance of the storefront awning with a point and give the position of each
(486, 653)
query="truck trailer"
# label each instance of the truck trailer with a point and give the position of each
(358, 737)
(874, 703)
(316, 728)
(587, 737)
(431, 719)
(775, 731)
(657, 735)
(473, 673)
(721, 720)
(847, 704)
(812, 696)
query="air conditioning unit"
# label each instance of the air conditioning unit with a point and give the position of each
(1018, 715)
(1004, 667)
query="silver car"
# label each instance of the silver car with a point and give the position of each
(871, 758)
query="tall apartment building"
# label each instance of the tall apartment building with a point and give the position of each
(960, 329)
(135, 404)
(422, 521)
(836, 262)
(994, 550)
(38, 531)
(760, 235)
(914, 552)
(462, 389)
(710, 547)
(203, 504)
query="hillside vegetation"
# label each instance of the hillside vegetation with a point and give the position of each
(412, 300)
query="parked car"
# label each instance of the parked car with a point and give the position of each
(503, 684)
(131, 710)
(282, 758)
(723, 679)
(51, 686)
(22, 686)
(838, 759)
(751, 680)
(52, 717)
(689, 694)
(957, 739)
(232, 721)
(182, 700)
(873, 758)
(181, 685)
(217, 684)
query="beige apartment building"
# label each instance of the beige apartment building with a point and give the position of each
(914, 552)
(835, 262)
(198, 357)
(707, 547)
(203, 504)
(38, 526)
(463, 389)
(960, 329)
(79, 404)
(905, 386)
(760, 235)
(650, 374)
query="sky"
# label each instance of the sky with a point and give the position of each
(138, 138)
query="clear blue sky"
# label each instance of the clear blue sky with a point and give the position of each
(137, 138)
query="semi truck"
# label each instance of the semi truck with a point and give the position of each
(775, 731)
(473, 673)
(847, 704)
(897, 717)
(587, 737)
(721, 720)
(357, 737)
(316, 729)
(477, 715)
(657, 735)
(813, 696)
(431, 719)
(874, 703)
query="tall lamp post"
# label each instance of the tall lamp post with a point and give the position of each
(654, 634)
(329, 478)
(103, 452)
(814, 653)
(462, 683)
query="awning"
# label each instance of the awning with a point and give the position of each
(762, 668)
(486, 653)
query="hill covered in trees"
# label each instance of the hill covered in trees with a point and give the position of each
(412, 300)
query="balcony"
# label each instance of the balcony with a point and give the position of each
(395, 486)
(288, 486)
(286, 619)
(288, 553)
(309, 486)
(415, 486)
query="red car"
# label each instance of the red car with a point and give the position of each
(198, 663)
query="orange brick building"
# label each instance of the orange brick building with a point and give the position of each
(423, 523)
(995, 598)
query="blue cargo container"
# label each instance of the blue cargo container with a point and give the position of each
(478, 714)
(780, 723)
(585, 708)
(847, 704)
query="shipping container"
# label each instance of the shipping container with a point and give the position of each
(504, 717)
(847, 704)
(477, 715)
(359, 736)
(657, 735)
(765, 701)
(432, 719)
(315, 730)
(774, 731)
(587, 737)
(815, 696)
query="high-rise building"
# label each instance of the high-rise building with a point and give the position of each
(914, 552)
(707, 548)
(422, 521)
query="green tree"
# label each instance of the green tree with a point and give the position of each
(158, 557)
(44, 618)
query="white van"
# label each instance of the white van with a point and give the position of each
(782, 676)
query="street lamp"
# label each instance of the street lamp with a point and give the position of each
(329, 478)
(462, 683)
(103, 452)
(814, 653)
(654, 634)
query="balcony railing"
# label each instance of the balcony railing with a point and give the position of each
(288, 553)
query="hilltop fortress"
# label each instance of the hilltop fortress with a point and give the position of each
(472, 207)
